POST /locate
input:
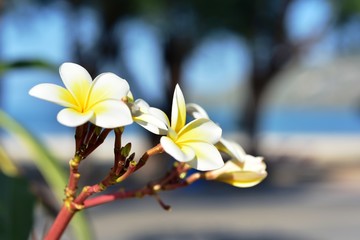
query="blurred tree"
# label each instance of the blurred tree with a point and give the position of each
(261, 23)
(184, 23)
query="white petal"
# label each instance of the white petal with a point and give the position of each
(200, 129)
(196, 111)
(255, 164)
(77, 80)
(160, 115)
(207, 157)
(142, 105)
(189, 152)
(107, 86)
(247, 174)
(233, 166)
(71, 118)
(53, 93)
(151, 123)
(181, 155)
(111, 114)
(178, 110)
(228, 167)
(232, 148)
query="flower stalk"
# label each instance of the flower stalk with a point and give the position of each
(171, 181)
(97, 107)
(155, 150)
(124, 166)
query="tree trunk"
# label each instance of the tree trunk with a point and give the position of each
(280, 51)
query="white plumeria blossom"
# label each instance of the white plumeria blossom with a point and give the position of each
(245, 172)
(242, 170)
(192, 143)
(97, 101)
(150, 118)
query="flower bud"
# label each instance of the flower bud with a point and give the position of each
(246, 173)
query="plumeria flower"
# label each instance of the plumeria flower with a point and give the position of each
(152, 119)
(242, 170)
(98, 101)
(192, 143)
(245, 173)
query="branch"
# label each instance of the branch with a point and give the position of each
(164, 184)
(155, 150)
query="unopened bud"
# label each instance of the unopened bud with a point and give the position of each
(131, 159)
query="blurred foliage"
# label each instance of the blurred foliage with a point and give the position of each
(49, 167)
(16, 208)
(7, 66)
(16, 201)
(346, 10)
(44, 161)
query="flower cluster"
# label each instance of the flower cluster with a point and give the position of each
(97, 107)
(108, 103)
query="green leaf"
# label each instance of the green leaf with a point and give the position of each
(49, 167)
(125, 151)
(16, 208)
(44, 161)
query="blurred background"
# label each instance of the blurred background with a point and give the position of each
(280, 77)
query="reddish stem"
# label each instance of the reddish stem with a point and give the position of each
(69, 209)
(149, 190)
(155, 150)
(74, 177)
(61, 222)
(71, 205)
(117, 195)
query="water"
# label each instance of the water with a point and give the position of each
(309, 121)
